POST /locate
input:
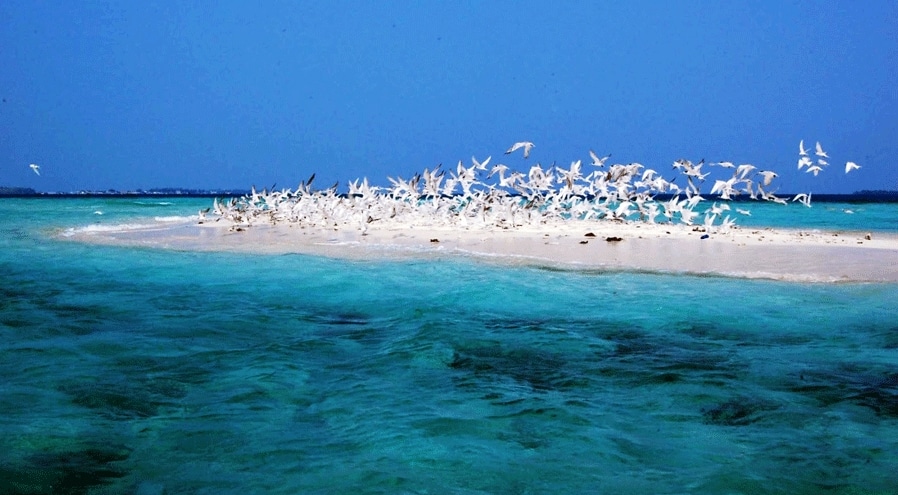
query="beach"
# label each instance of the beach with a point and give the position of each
(808, 255)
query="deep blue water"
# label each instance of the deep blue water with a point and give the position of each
(126, 370)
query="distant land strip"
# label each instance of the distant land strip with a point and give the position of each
(21, 192)
(866, 195)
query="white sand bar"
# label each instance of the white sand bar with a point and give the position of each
(805, 256)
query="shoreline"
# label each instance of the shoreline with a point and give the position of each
(777, 254)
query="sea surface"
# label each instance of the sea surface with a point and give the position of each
(150, 371)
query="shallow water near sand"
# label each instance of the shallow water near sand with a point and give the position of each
(132, 370)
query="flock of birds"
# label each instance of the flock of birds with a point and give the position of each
(804, 160)
(484, 195)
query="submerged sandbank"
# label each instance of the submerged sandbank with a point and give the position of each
(797, 255)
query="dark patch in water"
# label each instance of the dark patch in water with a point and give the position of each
(632, 344)
(73, 472)
(515, 323)
(81, 312)
(644, 359)
(878, 392)
(740, 411)
(585, 326)
(17, 323)
(114, 402)
(349, 325)
(337, 318)
(701, 330)
(180, 369)
(120, 401)
(541, 371)
(166, 387)
(665, 378)
(891, 338)
(882, 398)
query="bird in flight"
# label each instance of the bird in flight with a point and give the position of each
(596, 161)
(849, 166)
(522, 144)
(768, 176)
(814, 169)
(801, 149)
(803, 198)
(820, 152)
(36, 168)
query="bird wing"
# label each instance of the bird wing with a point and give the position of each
(515, 147)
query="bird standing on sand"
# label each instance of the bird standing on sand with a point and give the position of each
(522, 144)
(36, 168)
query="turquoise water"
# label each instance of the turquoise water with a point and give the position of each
(127, 370)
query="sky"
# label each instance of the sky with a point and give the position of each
(227, 94)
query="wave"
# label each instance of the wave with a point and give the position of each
(158, 222)
(176, 218)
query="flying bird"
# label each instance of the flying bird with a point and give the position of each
(803, 198)
(522, 144)
(814, 169)
(801, 149)
(596, 161)
(820, 152)
(36, 168)
(768, 176)
(849, 166)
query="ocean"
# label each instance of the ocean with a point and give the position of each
(152, 371)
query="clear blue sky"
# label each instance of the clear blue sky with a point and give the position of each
(220, 94)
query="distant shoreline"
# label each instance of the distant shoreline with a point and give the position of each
(864, 196)
(20, 192)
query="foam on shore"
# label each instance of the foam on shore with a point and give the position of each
(793, 255)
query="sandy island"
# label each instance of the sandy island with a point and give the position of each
(795, 255)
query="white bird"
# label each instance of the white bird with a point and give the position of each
(480, 165)
(849, 166)
(803, 198)
(768, 176)
(814, 169)
(521, 144)
(820, 151)
(801, 149)
(596, 161)
(36, 168)
(743, 170)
